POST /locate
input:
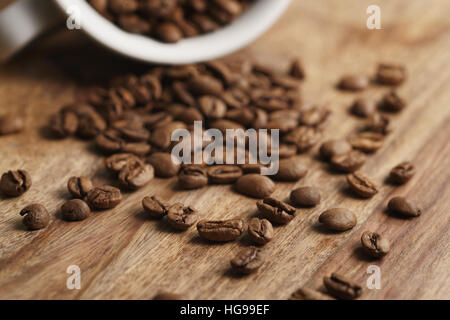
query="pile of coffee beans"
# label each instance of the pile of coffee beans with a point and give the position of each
(170, 20)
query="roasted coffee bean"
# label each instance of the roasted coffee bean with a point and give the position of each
(168, 296)
(305, 197)
(353, 83)
(90, 125)
(402, 172)
(192, 177)
(136, 175)
(64, 124)
(79, 187)
(404, 207)
(10, 125)
(181, 217)
(362, 185)
(123, 6)
(155, 207)
(374, 244)
(15, 183)
(392, 102)
(75, 210)
(190, 115)
(296, 70)
(248, 260)
(284, 125)
(221, 231)
(364, 107)
(119, 161)
(349, 162)
(290, 170)
(133, 23)
(206, 85)
(260, 231)
(35, 216)
(255, 185)
(287, 151)
(275, 210)
(168, 32)
(251, 168)
(379, 123)
(314, 117)
(391, 74)
(131, 130)
(224, 174)
(341, 287)
(309, 294)
(332, 148)
(338, 219)
(161, 137)
(163, 164)
(367, 141)
(106, 197)
(303, 137)
(213, 108)
(222, 125)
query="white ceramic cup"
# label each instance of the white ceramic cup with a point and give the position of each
(24, 20)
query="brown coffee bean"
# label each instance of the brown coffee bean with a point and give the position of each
(309, 294)
(314, 117)
(90, 124)
(221, 231)
(79, 186)
(248, 260)
(168, 32)
(364, 107)
(392, 102)
(123, 6)
(131, 130)
(224, 174)
(213, 108)
(290, 170)
(374, 244)
(206, 85)
(15, 183)
(168, 296)
(204, 23)
(35, 216)
(64, 124)
(338, 219)
(391, 74)
(163, 164)
(367, 141)
(119, 161)
(181, 217)
(106, 197)
(353, 83)
(161, 136)
(349, 162)
(402, 172)
(404, 207)
(286, 151)
(155, 207)
(379, 123)
(341, 287)
(133, 23)
(331, 148)
(136, 175)
(362, 185)
(10, 125)
(75, 210)
(260, 231)
(275, 210)
(255, 185)
(303, 137)
(192, 177)
(296, 70)
(305, 197)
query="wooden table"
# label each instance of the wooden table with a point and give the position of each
(124, 255)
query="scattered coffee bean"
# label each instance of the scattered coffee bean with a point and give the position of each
(379, 123)
(192, 177)
(155, 207)
(404, 207)
(341, 287)
(136, 176)
(391, 74)
(275, 210)
(290, 170)
(224, 174)
(353, 83)
(314, 117)
(303, 137)
(168, 296)
(260, 231)
(10, 125)
(367, 141)
(364, 107)
(163, 164)
(35, 216)
(64, 124)
(374, 244)
(15, 183)
(402, 172)
(255, 185)
(169, 32)
(119, 161)
(181, 217)
(221, 231)
(338, 219)
(75, 210)
(106, 197)
(349, 162)
(79, 186)
(297, 70)
(362, 185)
(248, 260)
(305, 197)
(309, 294)
(331, 148)
(392, 102)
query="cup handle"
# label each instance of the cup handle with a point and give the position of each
(23, 21)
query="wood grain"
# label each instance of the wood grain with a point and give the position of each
(123, 255)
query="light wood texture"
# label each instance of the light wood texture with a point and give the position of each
(124, 255)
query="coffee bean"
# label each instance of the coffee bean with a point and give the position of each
(163, 164)
(392, 102)
(131, 130)
(192, 177)
(168, 296)
(35, 216)
(290, 170)
(341, 287)
(79, 186)
(314, 117)
(123, 6)
(367, 141)
(309, 294)
(90, 124)
(404, 207)
(161, 136)
(64, 124)
(10, 125)
(213, 108)
(331, 148)
(206, 85)
(391, 74)
(287, 151)
(119, 161)
(348, 162)
(155, 207)
(305, 197)
(260, 231)
(248, 260)
(106, 197)
(353, 83)
(303, 137)
(168, 32)
(224, 174)
(362, 185)
(364, 107)
(402, 172)
(379, 123)
(297, 70)
(181, 217)
(338, 219)
(221, 231)
(255, 185)
(275, 210)
(15, 183)
(374, 244)
(136, 176)
(75, 210)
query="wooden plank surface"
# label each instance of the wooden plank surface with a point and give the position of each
(123, 255)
